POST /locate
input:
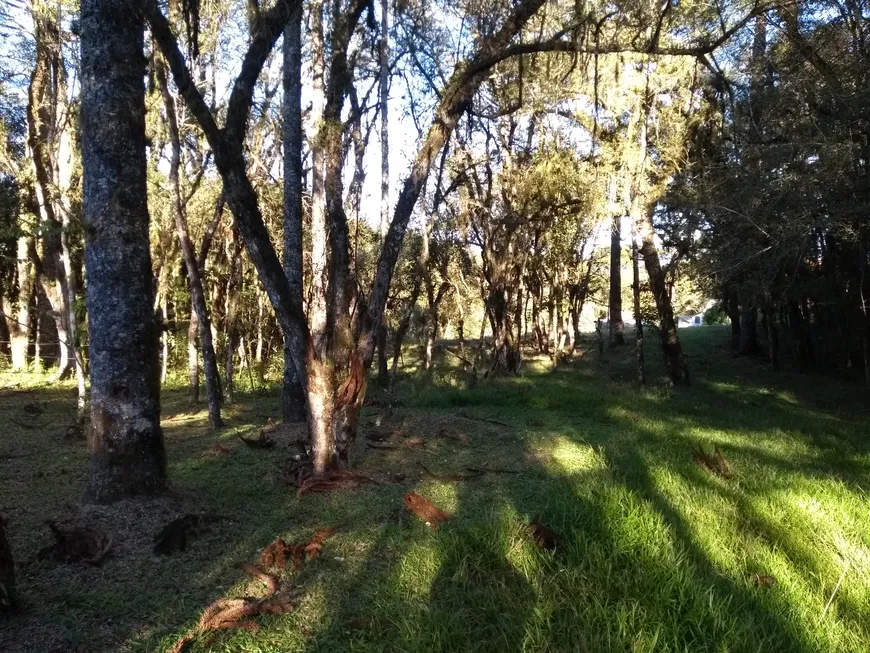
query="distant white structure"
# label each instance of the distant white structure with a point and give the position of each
(685, 321)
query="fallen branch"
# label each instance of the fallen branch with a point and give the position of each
(261, 442)
(492, 470)
(332, 480)
(372, 445)
(227, 614)
(30, 427)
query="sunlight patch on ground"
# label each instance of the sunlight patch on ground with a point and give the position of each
(572, 456)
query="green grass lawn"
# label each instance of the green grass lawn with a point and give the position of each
(656, 553)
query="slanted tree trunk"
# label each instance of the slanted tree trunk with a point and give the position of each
(335, 366)
(231, 327)
(199, 315)
(617, 328)
(678, 371)
(125, 442)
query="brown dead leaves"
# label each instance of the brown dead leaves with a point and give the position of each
(278, 553)
(228, 614)
(215, 451)
(425, 510)
(715, 463)
(77, 544)
(763, 580)
(543, 536)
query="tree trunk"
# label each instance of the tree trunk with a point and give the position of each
(46, 118)
(383, 363)
(293, 392)
(678, 371)
(164, 358)
(7, 573)
(231, 327)
(732, 306)
(383, 97)
(772, 338)
(19, 324)
(192, 358)
(748, 330)
(198, 308)
(638, 319)
(617, 328)
(125, 442)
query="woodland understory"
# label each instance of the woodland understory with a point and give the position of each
(366, 205)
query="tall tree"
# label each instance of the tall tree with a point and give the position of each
(616, 325)
(293, 399)
(125, 441)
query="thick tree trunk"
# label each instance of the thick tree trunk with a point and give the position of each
(748, 329)
(617, 328)
(383, 363)
(505, 352)
(125, 442)
(293, 393)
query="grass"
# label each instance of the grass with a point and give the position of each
(657, 554)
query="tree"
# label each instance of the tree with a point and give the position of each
(125, 441)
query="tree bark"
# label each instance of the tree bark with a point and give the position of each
(125, 441)
(638, 318)
(19, 322)
(232, 330)
(616, 327)
(293, 392)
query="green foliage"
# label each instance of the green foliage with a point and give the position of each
(715, 315)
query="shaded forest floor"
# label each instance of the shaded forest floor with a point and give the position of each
(655, 553)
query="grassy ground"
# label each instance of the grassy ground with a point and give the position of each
(657, 554)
